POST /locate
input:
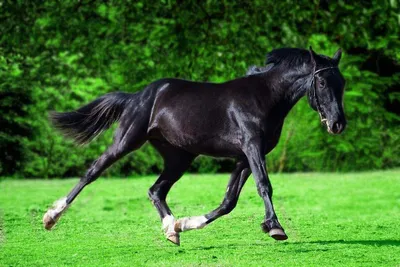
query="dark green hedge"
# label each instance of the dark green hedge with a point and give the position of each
(58, 55)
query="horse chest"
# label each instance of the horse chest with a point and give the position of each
(272, 137)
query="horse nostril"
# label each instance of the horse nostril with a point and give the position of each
(337, 127)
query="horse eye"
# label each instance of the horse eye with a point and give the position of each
(321, 84)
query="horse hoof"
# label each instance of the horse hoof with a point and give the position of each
(174, 238)
(277, 234)
(48, 221)
(178, 226)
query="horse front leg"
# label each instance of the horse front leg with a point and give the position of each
(158, 193)
(254, 152)
(176, 162)
(236, 182)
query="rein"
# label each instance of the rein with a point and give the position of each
(314, 88)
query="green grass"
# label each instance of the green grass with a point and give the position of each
(331, 219)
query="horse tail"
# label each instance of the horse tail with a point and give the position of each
(86, 123)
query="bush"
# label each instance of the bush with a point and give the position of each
(61, 55)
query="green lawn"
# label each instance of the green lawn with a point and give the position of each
(331, 219)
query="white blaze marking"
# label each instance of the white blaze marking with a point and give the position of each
(168, 225)
(58, 207)
(190, 223)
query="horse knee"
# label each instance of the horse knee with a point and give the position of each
(90, 176)
(85, 180)
(155, 194)
(98, 166)
(264, 191)
(152, 195)
(158, 192)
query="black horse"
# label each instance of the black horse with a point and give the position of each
(240, 119)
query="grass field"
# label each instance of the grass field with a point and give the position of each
(331, 219)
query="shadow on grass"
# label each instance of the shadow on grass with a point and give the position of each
(378, 243)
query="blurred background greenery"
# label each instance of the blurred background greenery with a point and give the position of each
(59, 55)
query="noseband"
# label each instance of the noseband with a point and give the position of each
(314, 88)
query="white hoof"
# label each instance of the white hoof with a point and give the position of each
(174, 238)
(48, 221)
(51, 217)
(168, 227)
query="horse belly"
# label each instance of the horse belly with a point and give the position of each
(207, 139)
(197, 130)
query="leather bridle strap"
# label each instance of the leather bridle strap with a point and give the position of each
(314, 87)
(327, 68)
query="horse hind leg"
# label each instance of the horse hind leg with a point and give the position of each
(60, 206)
(176, 162)
(127, 139)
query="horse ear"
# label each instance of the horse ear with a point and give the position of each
(313, 56)
(337, 56)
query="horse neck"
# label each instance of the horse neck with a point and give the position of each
(293, 86)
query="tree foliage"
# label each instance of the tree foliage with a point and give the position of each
(58, 55)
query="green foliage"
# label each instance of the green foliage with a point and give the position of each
(15, 105)
(61, 55)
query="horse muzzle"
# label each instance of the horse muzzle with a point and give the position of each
(336, 126)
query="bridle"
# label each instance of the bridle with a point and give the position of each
(314, 88)
(327, 68)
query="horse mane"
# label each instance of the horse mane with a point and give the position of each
(292, 57)
(284, 57)
(288, 57)
(252, 70)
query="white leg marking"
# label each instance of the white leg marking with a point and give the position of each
(52, 215)
(58, 208)
(168, 225)
(190, 223)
